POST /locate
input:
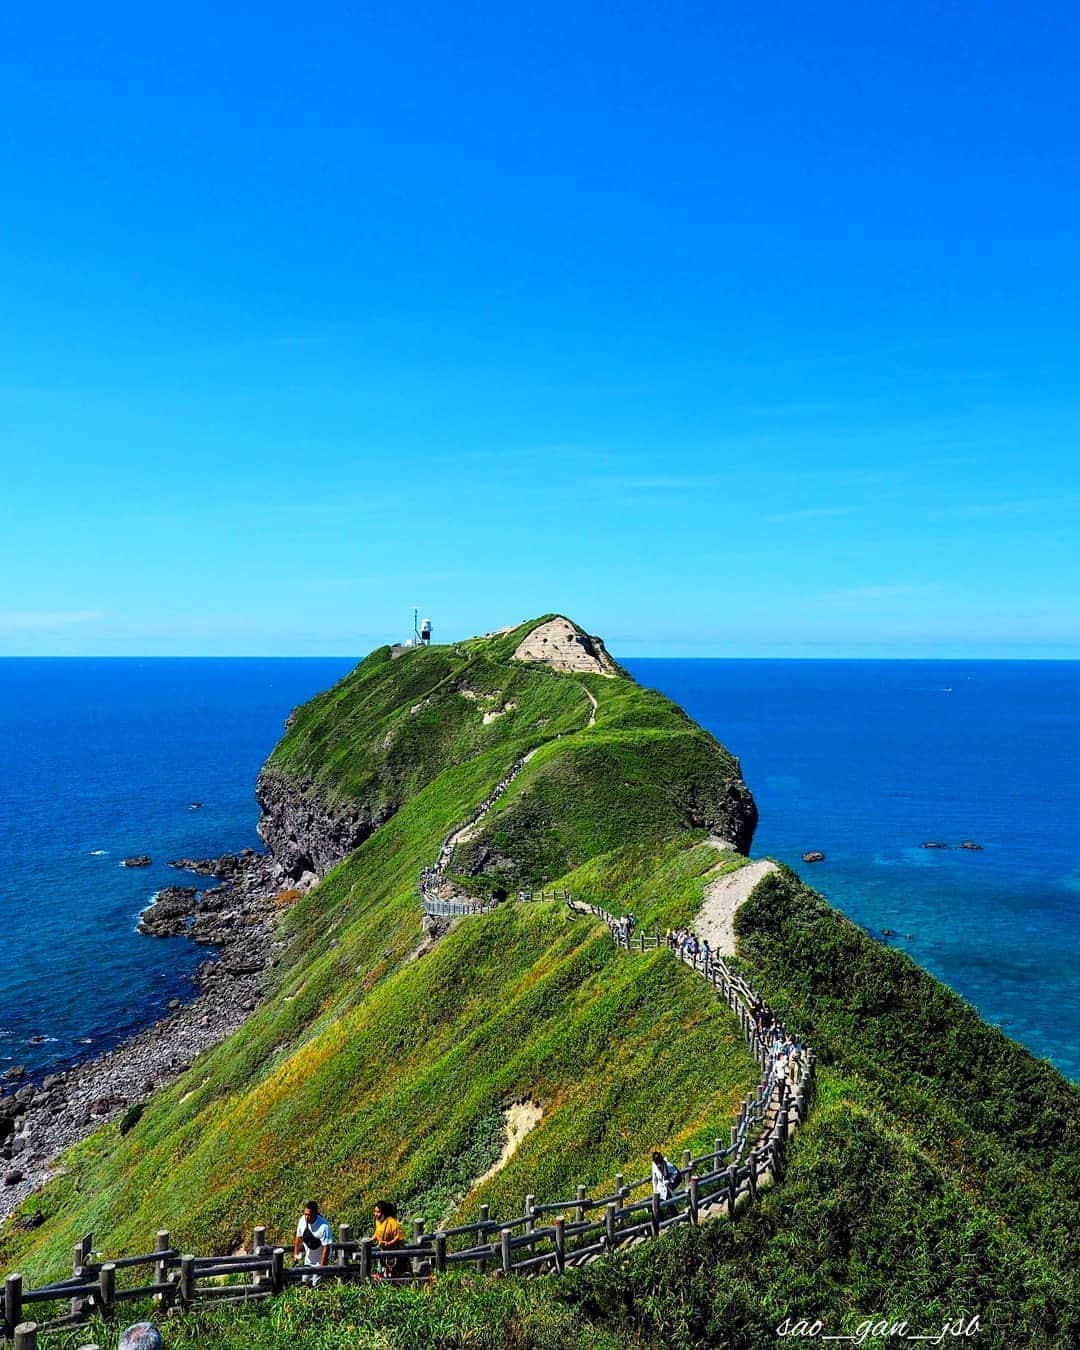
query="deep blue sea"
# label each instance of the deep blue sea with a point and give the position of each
(100, 759)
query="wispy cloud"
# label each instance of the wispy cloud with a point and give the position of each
(32, 620)
(811, 513)
(857, 595)
(1005, 508)
(660, 482)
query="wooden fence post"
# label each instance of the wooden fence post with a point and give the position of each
(12, 1303)
(483, 1236)
(161, 1270)
(732, 1188)
(692, 1200)
(530, 1213)
(579, 1208)
(778, 1141)
(504, 1250)
(366, 1247)
(609, 1225)
(560, 1244)
(687, 1163)
(620, 1186)
(258, 1240)
(654, 1213)
(77, 1260)
(345, 1235)
(107, 1288)
(440, 1251)
(187, 1279)
(752, 1165)
(26, 1336)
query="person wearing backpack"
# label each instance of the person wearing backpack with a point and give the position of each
(665, 1176)
(313, 1239)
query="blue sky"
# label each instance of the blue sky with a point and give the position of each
(726, 332)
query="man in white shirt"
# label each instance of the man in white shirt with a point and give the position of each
(313, 1237)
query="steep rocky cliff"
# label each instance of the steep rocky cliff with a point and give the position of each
(307, 834)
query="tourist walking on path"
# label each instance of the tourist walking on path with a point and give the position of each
(389, 1235)
(664, 1176)
(313, 1237)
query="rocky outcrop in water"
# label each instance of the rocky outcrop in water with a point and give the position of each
(38, 1120)
(170, 913)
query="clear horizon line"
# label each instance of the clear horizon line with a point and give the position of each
(636, 656)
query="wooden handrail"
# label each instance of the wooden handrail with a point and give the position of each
(714, 1180)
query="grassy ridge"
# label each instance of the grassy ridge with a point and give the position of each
(661, 884)
(391, 726)
(368, 1072)
(1004, 1124)
(936, 1177)
(864, 1226)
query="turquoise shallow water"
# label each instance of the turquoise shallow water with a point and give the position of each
(866, 760)
(863, 760)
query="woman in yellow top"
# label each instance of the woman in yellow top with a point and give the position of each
(389, 1235)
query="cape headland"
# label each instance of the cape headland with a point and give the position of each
(374, 1064)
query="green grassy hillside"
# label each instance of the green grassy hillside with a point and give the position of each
(394, 726)
(1004, 1126)
(367, 1072)
(935, 1180)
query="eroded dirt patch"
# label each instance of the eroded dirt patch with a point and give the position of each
(521, 1117)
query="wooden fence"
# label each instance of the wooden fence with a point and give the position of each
(456, 909)
(549, 1235)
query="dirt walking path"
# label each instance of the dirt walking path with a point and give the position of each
(715, 922)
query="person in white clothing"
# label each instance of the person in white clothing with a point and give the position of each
(313, 1238)
(664, 1176)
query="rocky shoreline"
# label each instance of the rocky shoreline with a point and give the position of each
(239, 917)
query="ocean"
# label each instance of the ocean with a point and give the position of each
(101, 760)
(863, 760)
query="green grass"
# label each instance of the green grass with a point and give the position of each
(936, 1177)
(863, 1226)
(1004, 1124)
(391, 728)
(661, 884)
(398, 1095)
(367, 1073)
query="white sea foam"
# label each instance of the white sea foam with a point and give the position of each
(99, 852)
